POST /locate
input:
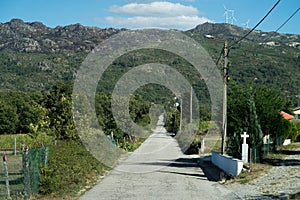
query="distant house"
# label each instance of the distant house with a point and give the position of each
(297, 113)
(286, 116)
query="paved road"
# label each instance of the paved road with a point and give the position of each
(158, 170)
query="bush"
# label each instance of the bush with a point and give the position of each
(291, 130)
(71, 167)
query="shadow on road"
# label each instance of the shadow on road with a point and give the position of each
(282, 162)
(210, 172)
(196, 175)
(289, 152)
(179, 163)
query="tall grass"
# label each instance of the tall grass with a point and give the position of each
(7, 141)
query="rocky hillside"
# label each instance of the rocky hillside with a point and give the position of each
(34, 56)
(36, 37)
(232, 32)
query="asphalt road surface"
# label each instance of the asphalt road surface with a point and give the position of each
(158, 170)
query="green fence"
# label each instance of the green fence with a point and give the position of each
(14, 176)
(258, 153)
(20, 173)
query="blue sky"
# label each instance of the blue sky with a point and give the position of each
(134, 14)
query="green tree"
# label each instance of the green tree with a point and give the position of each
(138, 110)
(8, 118)
(58, 103)
(25, 107)
(172, 121)
(255, 110)
(105, 117)
(253, 127)
(269, 103)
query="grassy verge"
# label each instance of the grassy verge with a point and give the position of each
(130, 147)
(16, 186)
(7, 141)
(290, 147)
(71, 171)
(249, 177)
(279, 157)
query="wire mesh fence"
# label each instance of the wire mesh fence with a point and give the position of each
(20, 173)
(14, 176)
(258, 153)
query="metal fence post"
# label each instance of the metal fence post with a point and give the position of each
(26, 173)
(250, 160)
(46, 156)
(5, 169)
(15, 146)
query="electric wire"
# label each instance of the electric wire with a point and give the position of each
(231, 45)
(286, 21)
(281, 26)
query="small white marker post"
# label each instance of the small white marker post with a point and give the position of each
(5, 169)
(202, 145)
(245, 147)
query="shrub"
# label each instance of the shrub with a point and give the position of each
(71, 167)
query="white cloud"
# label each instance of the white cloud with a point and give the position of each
(165, 15)
(148, 1)
(179, 22)
(162, 9)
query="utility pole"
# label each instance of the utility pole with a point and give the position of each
(191, 111)
(180, 125)
(225, 79)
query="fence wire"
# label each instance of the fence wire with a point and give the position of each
(23, 172)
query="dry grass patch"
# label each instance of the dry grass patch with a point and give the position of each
(250, 176)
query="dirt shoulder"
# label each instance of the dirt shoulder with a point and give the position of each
(278, 178)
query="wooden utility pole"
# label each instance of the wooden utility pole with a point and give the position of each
(191, 111)
(180, 125)
(225, 79)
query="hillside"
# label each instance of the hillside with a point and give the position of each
(33, 56)
(36, 37)
(264, 58)
(233, 33)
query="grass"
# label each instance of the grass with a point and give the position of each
(249, 177)
(15, 176)
(278, 158)
(14, 162)
(71, 171)
(290, 147)
(7, 141)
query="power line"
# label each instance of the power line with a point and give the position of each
(219, 58)
(255, 25)
(286, 21)
(282, 25)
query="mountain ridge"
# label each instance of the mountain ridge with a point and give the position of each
(34, 56)
(232, 32)
(37, 37)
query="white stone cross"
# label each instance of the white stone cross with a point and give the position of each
(245, 147)
(245, 136)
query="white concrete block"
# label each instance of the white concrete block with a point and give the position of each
(287, 142)
(228, 164)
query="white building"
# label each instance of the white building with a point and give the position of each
(297, 113)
